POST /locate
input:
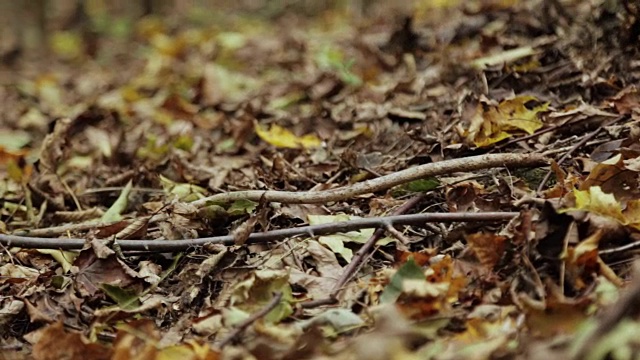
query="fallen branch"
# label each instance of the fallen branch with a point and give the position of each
(312, 230)
(466, 164)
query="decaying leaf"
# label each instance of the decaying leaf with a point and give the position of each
(491, 124)
(281, 137)
(251, 294)
(91, 272)
(56, 342)
(488, 248)
(336, 241)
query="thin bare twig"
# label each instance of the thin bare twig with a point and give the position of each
(330, 300)
(359, 257)
(274, 235)
(397, 234)
(584, 140)
(620, 249)
(552, 152)
(251, 319)
(386, 182)
(62, 229)
(527, 137)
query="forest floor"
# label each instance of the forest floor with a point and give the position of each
(432, 182)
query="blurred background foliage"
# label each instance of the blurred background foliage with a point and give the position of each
(70, 26)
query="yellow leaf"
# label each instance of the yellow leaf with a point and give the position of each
(168, 46)
(526, 67)
(596, 201)
(495, 123)
(521, 113)
(66, 44)
(148, 27)
(281, 137)
(587, 246)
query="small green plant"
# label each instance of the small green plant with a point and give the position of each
(332, 59)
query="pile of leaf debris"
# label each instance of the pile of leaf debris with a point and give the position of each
(156, 139)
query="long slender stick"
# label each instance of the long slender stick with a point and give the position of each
(320, 229)
(466, 164)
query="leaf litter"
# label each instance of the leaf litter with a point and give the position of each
(127, 132)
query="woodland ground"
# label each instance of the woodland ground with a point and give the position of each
(437, 180)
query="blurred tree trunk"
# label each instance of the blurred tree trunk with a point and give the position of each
(40, 15)
(150, 7)
(147, 7)
(10, 38)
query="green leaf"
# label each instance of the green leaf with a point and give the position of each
(64, 258)
(152, 149)
(14, 140)
(358, 236)
(242, 207)
(233, 316)
(125, 298)
(340, 319)
(60, 282)
(255, 291)
(416, 186)
(213, 212)
(183, 142)
(114, 212)
(336, 244)
(332, 59)
(232, 40)
(336, 241)
(184, 191)
(409, 271)
(66, 44)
